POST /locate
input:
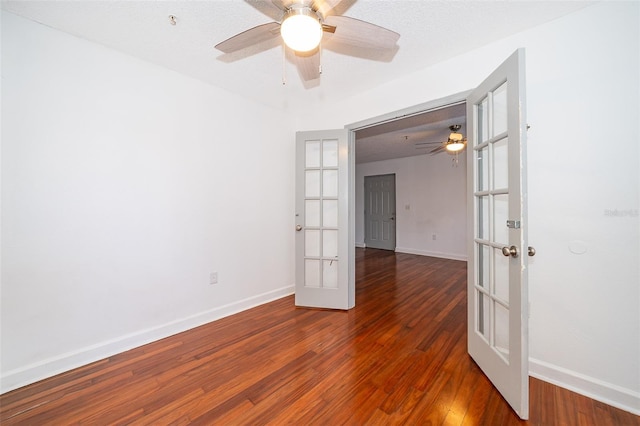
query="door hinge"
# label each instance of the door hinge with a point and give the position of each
(513, 224)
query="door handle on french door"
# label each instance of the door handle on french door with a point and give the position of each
(510, 251)
(298, 227)
(531, 251)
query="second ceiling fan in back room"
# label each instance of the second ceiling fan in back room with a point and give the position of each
(307, 27)
(454, 144)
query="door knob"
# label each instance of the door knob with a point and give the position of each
(298, 227)
(531, 251)
(510, 251)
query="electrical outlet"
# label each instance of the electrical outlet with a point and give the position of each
(213, 278)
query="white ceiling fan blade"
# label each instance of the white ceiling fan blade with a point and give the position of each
(325, 6)
(283, 4)
(266, 7)
(427, 143)
(359, 33)
(341, 8)
(250, 37)
(308, 64)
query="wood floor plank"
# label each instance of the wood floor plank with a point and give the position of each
(398, 357)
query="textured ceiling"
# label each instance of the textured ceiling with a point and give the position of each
(407, 136)
(430, 32)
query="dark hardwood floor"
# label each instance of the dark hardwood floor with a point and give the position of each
(398, 357)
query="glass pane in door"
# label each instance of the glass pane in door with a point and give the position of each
(312, 183)
(501, 277)
(329, 183)
(329, 273)
(311, 243)
(499, 110)
(483, 121)
(330, 153)
(483, 265)
(483, 217)
(312, 154)
(500, 217)
(482, 159)
(330, 213)
(483, 315)
(312, 213)
(501, 164)
(501, 332)
(330, 243)
(311, 273)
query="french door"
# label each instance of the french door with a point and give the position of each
(324, 278)
(497, 308)
(497, 251)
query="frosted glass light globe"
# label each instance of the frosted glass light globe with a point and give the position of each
(454, 146)
(301, 30)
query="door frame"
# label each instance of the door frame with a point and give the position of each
(433, 105)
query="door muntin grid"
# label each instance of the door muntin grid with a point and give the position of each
(321, 214)
(491, 195)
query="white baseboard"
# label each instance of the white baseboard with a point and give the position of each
(14, 379)
(616, 396)
(431, 253)
(361, 245)
(608, 393)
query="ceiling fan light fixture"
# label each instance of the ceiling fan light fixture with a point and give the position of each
(455, 146)
(301, 29)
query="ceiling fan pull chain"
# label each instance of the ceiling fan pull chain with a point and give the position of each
(320, 59)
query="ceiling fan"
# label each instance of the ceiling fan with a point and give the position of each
(307, 25)
(454, 144)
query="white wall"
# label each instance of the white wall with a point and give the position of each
(583, 107)
(123, 186)
(435, 193)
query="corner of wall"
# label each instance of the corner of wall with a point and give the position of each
(450, 256)
(50, 367)
(616, 396)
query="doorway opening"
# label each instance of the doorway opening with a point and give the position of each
(430, 199)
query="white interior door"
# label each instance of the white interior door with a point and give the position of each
(380, 211)
(497, 282)
(323, 278)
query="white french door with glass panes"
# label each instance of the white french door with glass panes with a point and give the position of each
(497, 306)
(497, 281)
(323, 279)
